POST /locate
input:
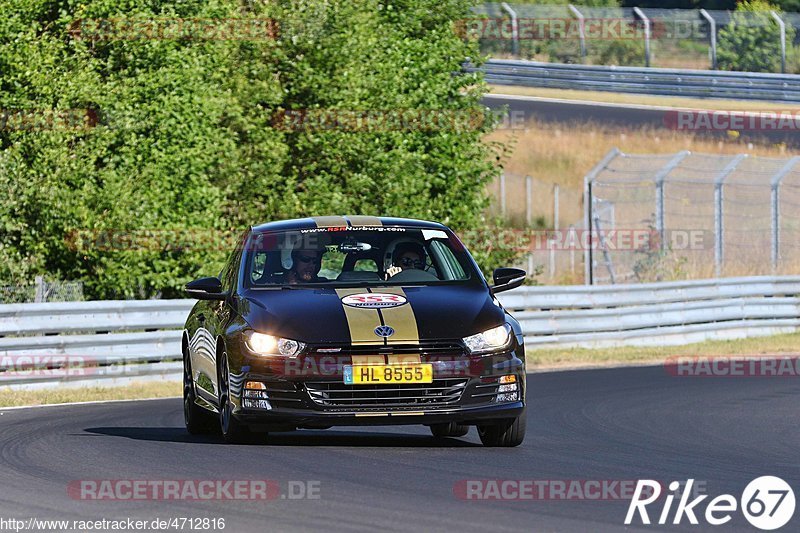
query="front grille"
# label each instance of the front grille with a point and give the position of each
(424, 349)
(442, 392)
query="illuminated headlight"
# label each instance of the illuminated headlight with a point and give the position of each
(263, 344)
(490, 340)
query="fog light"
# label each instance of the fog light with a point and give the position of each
(507, 397)
(256, 404)
(507, 388)
(508, 379)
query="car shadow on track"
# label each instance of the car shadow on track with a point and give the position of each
(293, 438)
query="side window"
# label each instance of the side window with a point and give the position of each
(259, 265)
(230, 274)
(451, 269)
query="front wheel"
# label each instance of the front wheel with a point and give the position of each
(504, 433)
(233, 431)
(449, 429)
(197, 419)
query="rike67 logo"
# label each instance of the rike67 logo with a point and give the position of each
(767, 503)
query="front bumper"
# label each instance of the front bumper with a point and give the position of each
(465, 389)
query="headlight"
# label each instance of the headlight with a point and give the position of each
(263, 344)
(490, 340)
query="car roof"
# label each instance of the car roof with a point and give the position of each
(343, 221)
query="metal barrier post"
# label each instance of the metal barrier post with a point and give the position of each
(775, 208)
(587, 211)
(718, 225)
(528, 200)
(639, 13)
(503, 194)
(782, 25)
(581, 28)
(514, 28)
(660, 177)
(712, 37)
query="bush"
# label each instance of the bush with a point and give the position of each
(751, 42)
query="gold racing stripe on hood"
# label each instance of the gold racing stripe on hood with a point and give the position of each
(364, 220)
(362, 322)
(401, 319)
(329, 222)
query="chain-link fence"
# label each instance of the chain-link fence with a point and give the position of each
(668, 38)
(686, 216)
(42, 291)
(537, 210)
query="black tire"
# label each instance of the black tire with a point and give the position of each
(233, 431)
(198, 420)
(449, 429)
(505, 433)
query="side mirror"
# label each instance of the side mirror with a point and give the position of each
(507, 278)
(206, 289)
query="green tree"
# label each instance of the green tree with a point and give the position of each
(751, 42)
(185, 139)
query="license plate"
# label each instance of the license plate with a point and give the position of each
(378, 374)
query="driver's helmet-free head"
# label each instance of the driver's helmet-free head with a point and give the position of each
(404, 247)
(297, 245)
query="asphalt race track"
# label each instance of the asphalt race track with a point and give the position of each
(621, 116)
(620, 424)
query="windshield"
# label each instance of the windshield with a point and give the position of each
(337, 256)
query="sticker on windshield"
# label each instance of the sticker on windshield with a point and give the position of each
(374, 300)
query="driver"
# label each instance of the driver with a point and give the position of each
(305, 267)
(406, 256)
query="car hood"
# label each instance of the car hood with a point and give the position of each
(322, 315)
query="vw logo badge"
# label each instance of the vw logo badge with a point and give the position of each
(384, 331)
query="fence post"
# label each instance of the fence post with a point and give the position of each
(503, 194)
(718, 225)
(775, 183)
(514, 29)
(712, 37)
(528, 200)
(782, 25)
(639, 13)
(555, 206)
(588, 199)
(571, 239)
(581, 29)
(660, 177)
(39, 296)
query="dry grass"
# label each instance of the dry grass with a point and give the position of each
(136, 391)
(576, 357)
(563, 154)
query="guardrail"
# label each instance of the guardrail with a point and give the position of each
(115, 342)
(639, 80)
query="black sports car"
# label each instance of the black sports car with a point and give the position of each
(353, 320)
